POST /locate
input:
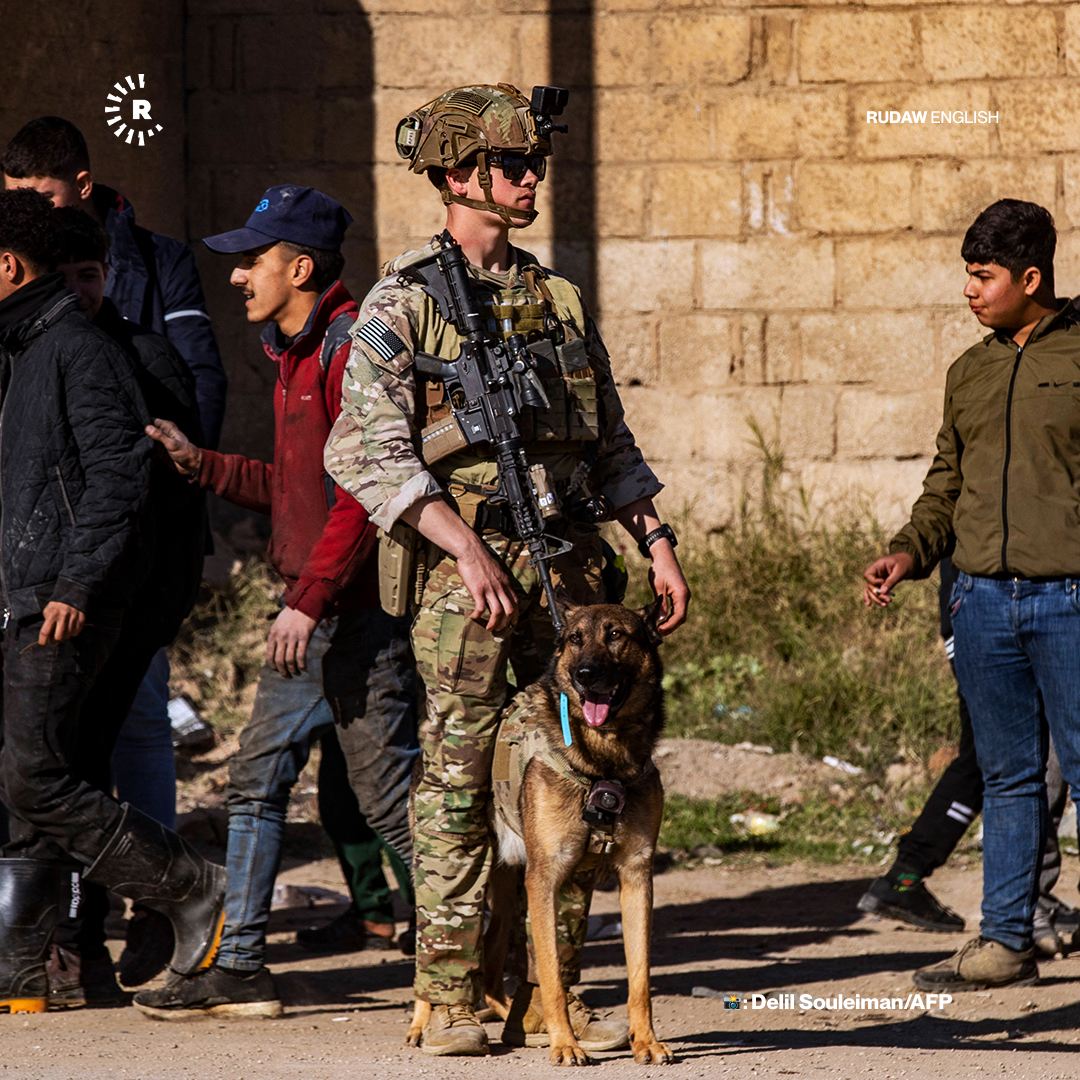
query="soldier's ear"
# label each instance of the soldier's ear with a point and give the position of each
(652, 615)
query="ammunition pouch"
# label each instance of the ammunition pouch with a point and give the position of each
(398, 551)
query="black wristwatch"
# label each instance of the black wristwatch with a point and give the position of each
(664, 532)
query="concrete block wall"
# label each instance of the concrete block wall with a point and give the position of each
(764, 252)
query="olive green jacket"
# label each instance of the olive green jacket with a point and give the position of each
(1005, 482)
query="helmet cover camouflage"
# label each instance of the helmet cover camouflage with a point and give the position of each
(469, 123)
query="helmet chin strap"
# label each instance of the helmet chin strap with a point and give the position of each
(507, 213)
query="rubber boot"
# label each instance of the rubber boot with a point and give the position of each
(28, 913)
(155, 867)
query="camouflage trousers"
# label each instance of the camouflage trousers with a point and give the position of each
(464, 668)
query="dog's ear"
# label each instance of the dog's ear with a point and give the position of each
(652, 615)
(564, 604)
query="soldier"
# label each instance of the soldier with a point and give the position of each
(481, 606)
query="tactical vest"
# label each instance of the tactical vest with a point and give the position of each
(547, 310)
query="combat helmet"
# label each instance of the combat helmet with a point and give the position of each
(473, 122)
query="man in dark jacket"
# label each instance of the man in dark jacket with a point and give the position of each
(74, 468)
(1002, 489)
(335, 660)
(172, 529)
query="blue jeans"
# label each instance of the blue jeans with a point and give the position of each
(143, 761)
(360, 676)
(1018, 664)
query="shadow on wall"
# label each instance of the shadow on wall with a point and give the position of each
(573, 177)
(279, 95)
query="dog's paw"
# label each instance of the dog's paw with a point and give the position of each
(652, 1053)
(412, 1038)
(570, 1054)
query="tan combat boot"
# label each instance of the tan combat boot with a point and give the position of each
(525, 1024)
(979, 965)
(454, 1029)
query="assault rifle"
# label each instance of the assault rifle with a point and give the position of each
(487, 386)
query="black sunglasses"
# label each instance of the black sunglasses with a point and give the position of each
(514, 165)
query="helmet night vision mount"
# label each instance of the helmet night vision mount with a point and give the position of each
(472, 123)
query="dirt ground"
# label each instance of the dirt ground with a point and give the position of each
(790, 930)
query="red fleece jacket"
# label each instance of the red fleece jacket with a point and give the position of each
(321, 542)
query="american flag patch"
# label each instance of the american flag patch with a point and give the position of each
(381, 338)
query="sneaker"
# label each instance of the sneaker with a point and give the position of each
(217, 991)
(980, 965)
(454, 1029)
(916, 906)
(75, 981)
(147, 948)
(347, 933)
(525, 1025)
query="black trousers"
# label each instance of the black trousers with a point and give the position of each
(55, 814)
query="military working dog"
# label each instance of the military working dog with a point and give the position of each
(576, 795)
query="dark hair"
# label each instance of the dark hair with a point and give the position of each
(29, 228)
(82, 239)
(328, 264)
(1015, 235)
(48, 146)
(437, 175)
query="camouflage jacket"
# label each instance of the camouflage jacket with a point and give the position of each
(373, 449)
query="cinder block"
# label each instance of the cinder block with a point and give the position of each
(1067, 264)
(807, 423)
(621, 44)
(635, 275)
(275, 127)
(1042, 122)
(348, 130)
(873, 424)
(844, 197)
(779, 41)
(952, 193)
(273, 49)
(471, 49)
(996, 42)
(346, 50)
(958, 330)
(857, 46)
(1072, 39)
(697, 49)
(886, 490)
(407, 207)
(901, 272)
(639, 125)
(725, 424)
(783, 350)
(695, 200)
(649, 415)
(698, 353)
(926, 139)
(620, 200)
(775, 122)
(767, 272)
(631, 343)
(704, 493)
(890, 349)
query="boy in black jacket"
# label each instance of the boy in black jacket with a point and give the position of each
(74, 467)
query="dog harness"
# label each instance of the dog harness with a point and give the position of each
(518, 742)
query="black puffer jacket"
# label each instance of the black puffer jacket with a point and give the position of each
(173, 524)
(74, 459)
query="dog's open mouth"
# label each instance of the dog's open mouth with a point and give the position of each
(596, 707)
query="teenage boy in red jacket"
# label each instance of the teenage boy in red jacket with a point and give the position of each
(335, 660)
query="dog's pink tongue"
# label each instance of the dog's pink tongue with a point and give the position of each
(595, 707)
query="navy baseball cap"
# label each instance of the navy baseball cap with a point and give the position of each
(300, 215)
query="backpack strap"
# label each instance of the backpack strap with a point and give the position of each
(337, 333)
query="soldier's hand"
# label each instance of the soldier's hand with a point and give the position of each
(184, 454)
(489, 586)
(882, 574)
(666, 578)
(62, 621)
(286, 646)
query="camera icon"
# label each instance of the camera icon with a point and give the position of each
(732, 1001)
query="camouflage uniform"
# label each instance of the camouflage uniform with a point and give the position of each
(373, 453)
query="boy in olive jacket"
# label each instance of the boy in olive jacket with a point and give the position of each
(1002, 488)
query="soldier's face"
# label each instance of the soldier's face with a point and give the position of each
(517, 194)
(263, 277)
